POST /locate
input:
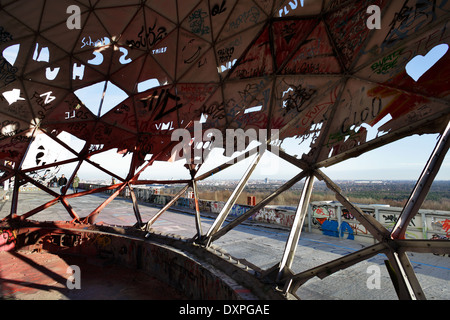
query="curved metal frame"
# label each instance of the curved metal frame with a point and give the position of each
(390, 243)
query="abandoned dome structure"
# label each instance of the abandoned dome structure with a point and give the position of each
(336, 75)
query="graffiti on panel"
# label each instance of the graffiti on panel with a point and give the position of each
(322, 213)
(217, 206)
(7, 72)
(412, 18)
(441, 225)
(249, 17)
(387, 63)
(197, 22)
(267, 215)
(7, 240)
(297, 99)
(347, 215)
(391, 219)
(333, 229)
(238, 210)
(275, 216)
(148, 38)
(446, 226)
(322, 216)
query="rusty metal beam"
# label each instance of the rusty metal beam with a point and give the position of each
(103, 169)
(92, 216)
(15, 197)
(50, 165)
(8, 173)
(69, 209)
(258, 207)
(423, 185)
(296, 229)
(92, 191)
(136, 211)
(291, 159)
(39, 185)
(424, 246)
(198, 222)
(231, 200)
(62, 143)
(404, 277)
(17, 181)
(39, 209)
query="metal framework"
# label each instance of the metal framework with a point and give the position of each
(306, 73)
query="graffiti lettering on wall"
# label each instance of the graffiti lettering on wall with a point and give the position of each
(251, 16)
(441, 225)
(5, 36)
(392, 219)
(149, 37)
(411, 19)
(297, 99)
(197, 22)
(333, 229)
(384, 65)
(440, 237)
(7, 240)
(7, 71)
(446, 226)
(322, 217)
(275, 216)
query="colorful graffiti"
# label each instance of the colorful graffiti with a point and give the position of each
(441, 225)
(331, 218)
(440, 237)
(279, 216)
(446, 227)
(7, 240)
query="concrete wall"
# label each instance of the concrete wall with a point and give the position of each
(327, 217)
(332, 219)
(193, 278)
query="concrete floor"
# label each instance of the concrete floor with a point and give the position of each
(44, 276)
